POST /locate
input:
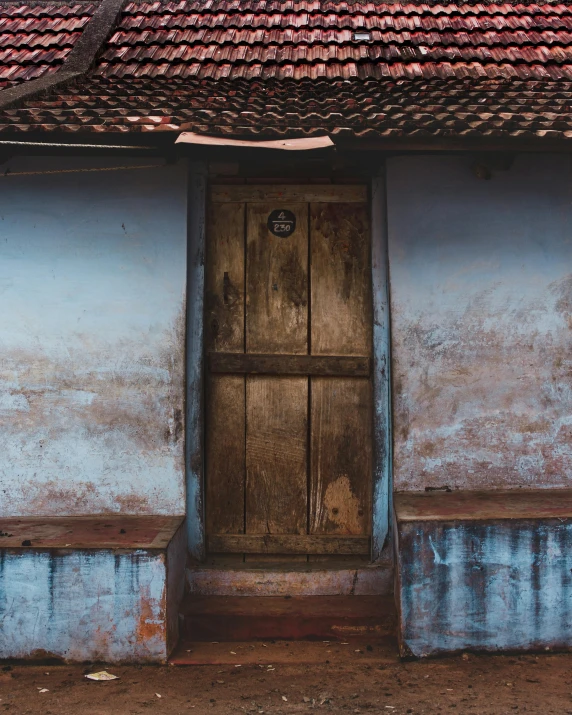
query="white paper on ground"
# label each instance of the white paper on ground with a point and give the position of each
(102, 675)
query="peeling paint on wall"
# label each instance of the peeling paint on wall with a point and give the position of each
(85, 605)
(500, 585)
(481, 292)
(92, 331)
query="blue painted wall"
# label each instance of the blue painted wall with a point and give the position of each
(481, 299)
(485, 586)
(84, 605)
(92, 284)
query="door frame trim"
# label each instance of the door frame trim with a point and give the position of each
(194, 423)
(194, 432)
(382, 438)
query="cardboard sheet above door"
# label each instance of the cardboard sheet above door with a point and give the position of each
(301, 144)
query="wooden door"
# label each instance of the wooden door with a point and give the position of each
(289, 339)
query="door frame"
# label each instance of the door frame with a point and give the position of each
(382, 423)
(194, 430)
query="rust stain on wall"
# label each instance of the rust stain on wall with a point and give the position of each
(151, 621)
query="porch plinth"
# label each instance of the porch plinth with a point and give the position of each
(488, 571)
(103, 588)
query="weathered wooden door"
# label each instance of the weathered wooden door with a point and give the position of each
(289, 339)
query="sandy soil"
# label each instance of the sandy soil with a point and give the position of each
(380, 683)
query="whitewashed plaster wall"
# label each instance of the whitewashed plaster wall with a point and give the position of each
(481, 319)
(92, 295)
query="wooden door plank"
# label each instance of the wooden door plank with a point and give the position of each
(225, 454)
(276, 322)
(224, 294)
(225, 404)
(276, 283)
(263, 193)
(323, 365)
(341, 456)
(340, 279)
(288, 544)
(276, 455)
(341, 324)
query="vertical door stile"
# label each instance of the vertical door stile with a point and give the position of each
(224, 327)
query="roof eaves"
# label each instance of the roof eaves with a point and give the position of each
(77, 63)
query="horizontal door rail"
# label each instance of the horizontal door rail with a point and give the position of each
(299, 193)
(316, 365)
(287, 544)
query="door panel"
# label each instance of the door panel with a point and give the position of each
(341, 280)
(224, 279)
(341, 456)
(276, 455)
(276, 283)
(225, 454)
(289, 454)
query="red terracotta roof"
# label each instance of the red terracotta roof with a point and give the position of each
(279, 67)
(315, 38)
(274, 108)
(36, 38)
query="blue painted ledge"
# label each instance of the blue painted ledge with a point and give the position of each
(484, 571)
(91, 588)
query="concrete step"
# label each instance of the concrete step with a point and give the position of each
(239, 618)
(305, 579)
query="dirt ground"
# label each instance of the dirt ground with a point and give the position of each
(365, 682)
